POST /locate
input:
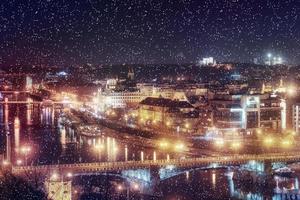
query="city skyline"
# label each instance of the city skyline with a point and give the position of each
(149, 99)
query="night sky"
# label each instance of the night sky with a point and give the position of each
(69, 32)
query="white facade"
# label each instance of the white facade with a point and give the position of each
(208, 61)
(118, 99)
(28, 83)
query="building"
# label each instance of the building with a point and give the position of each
(208, 61)
(296, 118)
(122, 99)
(170, 115)
(119, 93)
(59, 189)
(248, 112)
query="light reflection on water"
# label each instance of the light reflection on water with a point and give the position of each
(192, 185)
(53, 142)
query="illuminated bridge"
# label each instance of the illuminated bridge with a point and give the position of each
(155, 164)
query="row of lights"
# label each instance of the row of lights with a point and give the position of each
(24, 150)
(267, 141)
(270, 141)
(55, 176)
(219, 142)
(135, 186)
(179, 146)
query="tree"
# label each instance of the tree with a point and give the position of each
(12, 187)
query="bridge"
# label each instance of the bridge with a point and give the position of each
(179, 163)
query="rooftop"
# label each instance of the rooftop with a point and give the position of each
(163, 102)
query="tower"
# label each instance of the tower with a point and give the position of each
(130, 74)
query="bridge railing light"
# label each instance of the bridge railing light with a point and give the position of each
(54, 176)
(119, 187)
(135, 186)
(69, 175)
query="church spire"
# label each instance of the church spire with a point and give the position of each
(130, 74)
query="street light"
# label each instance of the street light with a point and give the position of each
(179, 147)
(19, 162)
(25, 150)
(136, 186)
(54, 176)
(163, 144)
(268, 141)
(291, 90)
(236, 145)
(126, 117)
(269, 57)
(5, 163)
(219, 142)
(286, 143)
(69, 175)
(119, 187)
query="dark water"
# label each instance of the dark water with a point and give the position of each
(50, 142)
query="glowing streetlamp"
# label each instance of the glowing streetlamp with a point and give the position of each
(269, 57)
(25, 150)
(187, 125)
(236, 145)
(163, 144)
(179, 147)
(54, 176)
(168, 123)
(119, 188)
(259, 131)
(291, 90)
(19, 162)
(69, 175)
(136, 186)
(279, 60)
(5, 163)
(126, 117)
(268, 141)
(219, 142)
(286, 143)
